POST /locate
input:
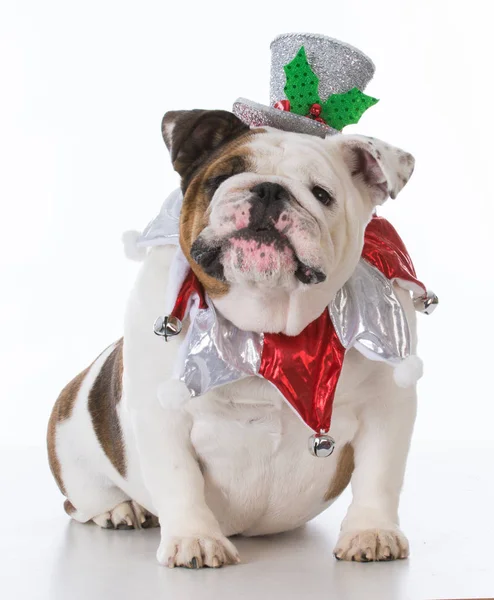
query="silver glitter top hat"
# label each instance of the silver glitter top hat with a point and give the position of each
(339, 67)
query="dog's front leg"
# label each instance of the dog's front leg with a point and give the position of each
(190, 533)
(370, 530)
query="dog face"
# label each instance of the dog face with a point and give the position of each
(268, 212)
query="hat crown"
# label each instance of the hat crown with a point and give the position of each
(339, 66)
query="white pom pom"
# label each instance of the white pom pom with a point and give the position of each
(131, 249)
(408, 372)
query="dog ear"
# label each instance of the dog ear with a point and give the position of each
(384, 169)
(192, 136)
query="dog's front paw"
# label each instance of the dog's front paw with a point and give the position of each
(196, 552)
(371, 545)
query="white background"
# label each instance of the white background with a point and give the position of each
(84, 86)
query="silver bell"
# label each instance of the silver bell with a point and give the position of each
(167, 327)
(426, 303)
(321, 445)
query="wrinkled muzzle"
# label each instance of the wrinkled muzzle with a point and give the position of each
(263, 236)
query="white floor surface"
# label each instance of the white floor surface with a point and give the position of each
(447, 508)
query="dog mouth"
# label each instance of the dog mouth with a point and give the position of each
(258, 254)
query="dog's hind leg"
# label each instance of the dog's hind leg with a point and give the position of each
(86, 447)
(90, 496)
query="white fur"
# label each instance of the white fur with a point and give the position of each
(235, 461)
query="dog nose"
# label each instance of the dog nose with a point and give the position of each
(269, 192)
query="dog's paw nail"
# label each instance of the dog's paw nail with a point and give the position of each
(215, 562)
(364, 556)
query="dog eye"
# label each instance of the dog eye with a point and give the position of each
(214, 183)
(323, 196)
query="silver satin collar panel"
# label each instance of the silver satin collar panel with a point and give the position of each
(218, 352)
(366, 311)
(164, 229)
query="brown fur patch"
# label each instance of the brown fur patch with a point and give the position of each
(192, 136)
(234, 159)
(344, 470)
(61, 411)
(102, 405)
(69, 507)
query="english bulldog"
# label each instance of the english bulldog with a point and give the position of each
(272, 226)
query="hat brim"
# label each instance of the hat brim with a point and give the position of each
(259, 115)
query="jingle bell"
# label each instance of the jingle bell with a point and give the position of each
(167, 327)
(426, 303)
(321, 445)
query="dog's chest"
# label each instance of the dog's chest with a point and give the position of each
(253, 451)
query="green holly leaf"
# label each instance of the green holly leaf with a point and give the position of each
(343, 109)
(302, 84)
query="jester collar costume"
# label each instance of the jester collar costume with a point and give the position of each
(316, 88)
(366, 314)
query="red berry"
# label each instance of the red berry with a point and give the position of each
(282, 105)
(315, 110)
